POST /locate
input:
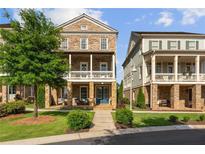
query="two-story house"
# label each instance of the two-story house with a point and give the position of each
(90, 47)
(169, 67)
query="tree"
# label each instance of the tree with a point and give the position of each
(140, 101)
(29, 55)
(120, 91)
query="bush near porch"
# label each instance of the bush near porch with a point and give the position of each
(10, 131)
(160, 119)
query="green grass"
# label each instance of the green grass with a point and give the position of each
(158, 119)
(14, 132)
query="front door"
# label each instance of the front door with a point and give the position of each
(102, 95)
(83, 69)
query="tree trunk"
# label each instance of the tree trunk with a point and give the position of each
(35, 102)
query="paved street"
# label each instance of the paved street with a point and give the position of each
(176, 137)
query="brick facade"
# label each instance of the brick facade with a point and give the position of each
(175, 103)
(154, 97)
(196, 97)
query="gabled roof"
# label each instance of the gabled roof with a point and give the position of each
(7, 25)
(89, 18)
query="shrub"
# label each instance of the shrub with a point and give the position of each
(41, 96)
(15, 107)
(124, 116)
(173, 118)
(3, 110)
(125, 100)
(201, 117)
(186, 119)
(78, 119)
(140, 100)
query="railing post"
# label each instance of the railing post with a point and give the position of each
(176, 68)
(91, 66)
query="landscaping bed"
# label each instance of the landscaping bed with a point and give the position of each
(160, 119)
(12, 129)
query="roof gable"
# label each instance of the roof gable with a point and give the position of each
(91, 23)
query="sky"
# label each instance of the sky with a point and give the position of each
(127, 20)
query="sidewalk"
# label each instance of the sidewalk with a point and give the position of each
(103, 121)
(102, 133)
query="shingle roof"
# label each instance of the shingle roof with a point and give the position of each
(5, 25)
(168, 32)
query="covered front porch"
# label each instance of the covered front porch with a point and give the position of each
(81, 94)
(177, 97)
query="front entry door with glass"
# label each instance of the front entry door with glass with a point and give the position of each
(84, 69)
(102, 95)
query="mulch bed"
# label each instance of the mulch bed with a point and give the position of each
(121, 126)
(12, 116)
(34, 121)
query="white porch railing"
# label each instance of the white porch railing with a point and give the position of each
(164, 76)
(187, 77)
(84, 75)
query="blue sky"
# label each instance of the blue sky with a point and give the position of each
(127, 20)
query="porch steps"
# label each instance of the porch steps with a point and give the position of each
(102, 107)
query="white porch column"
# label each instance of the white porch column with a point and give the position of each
(197, 65)
(70, 65)
(91, 65)
(113, 65)
(176, 68)
(153, 58)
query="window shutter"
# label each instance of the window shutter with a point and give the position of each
(179, 45)
(168, 45)
(197, 45)
(160, 45)
(150, 45)
(187, 45)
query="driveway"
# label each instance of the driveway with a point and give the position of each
(175, 137)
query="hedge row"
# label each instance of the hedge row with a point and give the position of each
(12, 108)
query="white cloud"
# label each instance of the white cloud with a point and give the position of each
(61, 15)
(190, 16)
(166, 19)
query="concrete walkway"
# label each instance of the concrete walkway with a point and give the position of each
(103, 121)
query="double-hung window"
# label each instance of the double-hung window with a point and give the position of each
(173, 45)
(104, 43)
(192, 45)
(64, 44)
(155, 45)
(84, 43)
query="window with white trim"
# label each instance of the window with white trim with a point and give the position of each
(140, 72)
(192, 45)
(155, 45)
(64, 44)
(83, 27)
(104, 43)
(173, 45)
(84, 43)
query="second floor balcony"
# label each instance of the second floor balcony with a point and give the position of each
(86, 67)
(176, 68)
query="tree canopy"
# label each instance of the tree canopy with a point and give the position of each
(28, 55)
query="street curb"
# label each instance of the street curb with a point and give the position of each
(104, 133)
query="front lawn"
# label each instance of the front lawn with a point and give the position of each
(158, 119)
(8, 131)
